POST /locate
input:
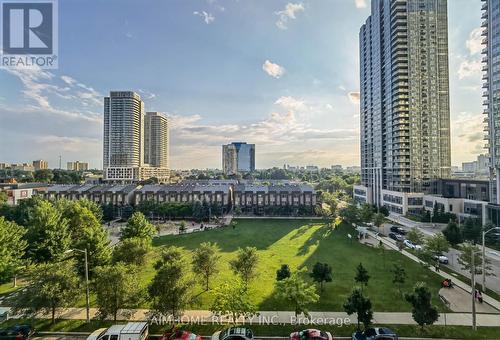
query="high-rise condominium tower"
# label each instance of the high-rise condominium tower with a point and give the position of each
(124, 139)
(405, 114)
(156, 140)
(491, 85)
(238, 157)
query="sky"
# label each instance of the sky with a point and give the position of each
(283, 75)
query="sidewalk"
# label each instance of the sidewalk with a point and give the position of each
(486, 298)
(288, 317)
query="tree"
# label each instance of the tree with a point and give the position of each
(437, 244)
(231, 299)
(138, 226)
(362, 276)
(43, 175)
(206, 261)
(116, 287)
(283, 272)
(47, 234)
(452, 233)
(52, 286)
(350, 213)
(360, 305)
(399, 277)
(245, 263)
(3, 197)
(415, 236)
(170, 289)
(378, 220)
(423, 312)
(131, 251)
(465, 259)
(169, 254)
(366, 213)
(12, 248)
(322, 272)
(298, 292)
(471, 230)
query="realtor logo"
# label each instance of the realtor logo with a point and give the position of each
(29, 34)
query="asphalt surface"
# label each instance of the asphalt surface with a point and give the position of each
(492, 282)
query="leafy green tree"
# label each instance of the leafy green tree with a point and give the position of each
(245, 263)
(231, 299)
(362, 276)
(116, 287)
(415, 236)
(360, 305)
(297, 291)
(47, 234)
(471, 230)
(12, 248)
(452, 233)
(132, 251)
(138, 226)
(283, 272)
(169, 254)
(95, 208)
(366, 213)
(423, 312)
(43, 175)
(350, 213)
(170, 289)
(321, 272)
(52, 286)
(3, 197)
(206, 261)
(399, 276)
(378, 220)
(465, 260)
(437, 244)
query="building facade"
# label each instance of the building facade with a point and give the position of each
(40, 164)
(124, 135)
(238, 157)
(405, 115)
(156, 138)
(77, 166)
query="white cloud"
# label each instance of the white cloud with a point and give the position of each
(274, 70)
(360, 3)
(208, 18)
(469, 68)
(467, 136)
(68, 80)
(354, 97)
(474, 42)
(291, 104)
(287, 14)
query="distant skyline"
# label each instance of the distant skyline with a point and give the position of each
(282, 75)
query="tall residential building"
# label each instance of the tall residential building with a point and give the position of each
(77, 166)
(238, 157)
(491, 86)
(40, 164)
(405, 113)
(156, 140)
(123, 150)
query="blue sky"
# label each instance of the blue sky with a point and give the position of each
(281, 74)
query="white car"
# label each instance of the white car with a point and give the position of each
(442, 259)
(412, 245)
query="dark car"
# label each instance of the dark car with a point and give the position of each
(180, 335)
(233, 333)
(398, 230)
(311, 334)
(17, 332)
(379, 333)
(393, 236)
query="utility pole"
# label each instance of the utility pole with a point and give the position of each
(473, 284)
(60, 162)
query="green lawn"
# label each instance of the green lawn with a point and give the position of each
(302, 243)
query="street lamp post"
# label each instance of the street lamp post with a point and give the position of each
(473, 285)
(484, 259)
(87, 293)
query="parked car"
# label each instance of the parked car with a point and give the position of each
(412, 245)
(180, 335)
(233, 333)
(379, 333)
(442, 259)
(398, 230)
(17, 332)
(311, 334)
(396, 237)
(129, 331)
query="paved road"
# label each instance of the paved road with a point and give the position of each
(492, 282)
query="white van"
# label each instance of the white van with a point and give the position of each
(129, 331)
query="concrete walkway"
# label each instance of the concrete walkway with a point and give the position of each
(287, 317)
(458, 283)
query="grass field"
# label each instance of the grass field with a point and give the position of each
(301, 243)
